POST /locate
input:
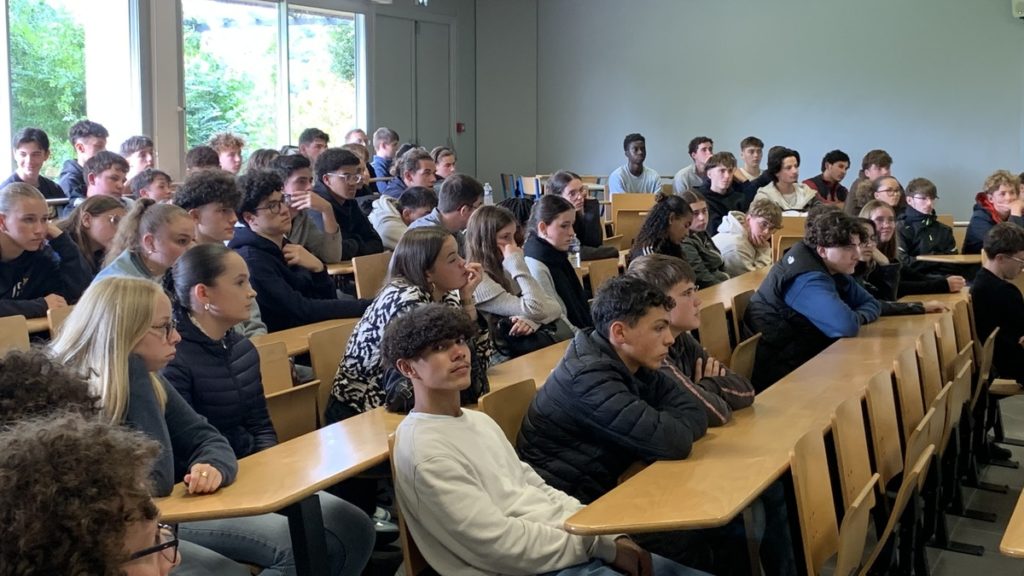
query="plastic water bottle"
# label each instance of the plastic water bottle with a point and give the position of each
(574, 252)
(488, 195)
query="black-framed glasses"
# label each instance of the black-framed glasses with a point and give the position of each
(167, 327)
(167, 544)
(923, 198)
(350, 178)
(274, 206)
(890, 192)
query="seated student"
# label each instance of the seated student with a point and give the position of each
(366, 188)
(320, 235)
(292, 285)
(634, 176)
(153, 184)
(875, 164)
(261, 159)
(664, 229)
(745, 240)
(698, 249)
(829, 184)
(719, 389)
(87, 138)
(785, 188)
(357, 136)
(217, 372)
(40, 266)
(521, 209)
(425, 268)
(149, 240)
(884, 189)
(871, 259)
(908, 281)
(920, 231)
(229, 151)
(391, 217)
(201, 158)
(138, 152)
(92, 226)
(385, 143)
(413, 168)
(104, 176)
(31, 150)
(809, 298)
(751, 149)
(460, 196)
(589, 225)
(998, 202)
(471, 504)
(693, 176)
(998, 303)
(313, 141)
(549, 235)
(444, 164)
(337, 175)
(722, 193)
(211, 197)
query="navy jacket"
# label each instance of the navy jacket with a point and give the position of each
(72, 180)
(57, 268)
(358, 238)
(921, 234)
(982, 221)
(998, 303)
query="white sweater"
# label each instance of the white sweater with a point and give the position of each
(475, 509)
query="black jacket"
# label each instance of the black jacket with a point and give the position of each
(289, 296)
(57, 268)
(72, 180)
(358, 238)
(739, 198)
(999, 303)
(593, 419)
(221, 381)
(921, 233)
(882, 282)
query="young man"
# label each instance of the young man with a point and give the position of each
(312, 142)
(701, 148)
(723, 193)
(751, 150)
(999, 201)
(31, 150)
(152, 183)
(88, 138)
(998, 302)
(920, 231)
(634, 176)
(809, 298)
(200, 158)
(357, 136)
(211, 198)
(391, 218)
(875, 164)
(460, 196)
(338, 176)
(745, 240)
(828, 184)
(138, 151)
(229, 151)
(292, 286)
(320, 235)
(471, 504)
(415, 168)
(105, 175)
(785, 188)
(385, 143)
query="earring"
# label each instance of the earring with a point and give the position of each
(206, 307)
(433, 287)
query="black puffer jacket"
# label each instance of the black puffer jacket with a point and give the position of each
(593, 419)
(921, 234)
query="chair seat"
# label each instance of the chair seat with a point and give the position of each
(1004, 387)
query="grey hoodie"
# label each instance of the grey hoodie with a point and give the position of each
(387, 221)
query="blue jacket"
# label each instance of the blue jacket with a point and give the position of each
(394, 188)
(221, 381)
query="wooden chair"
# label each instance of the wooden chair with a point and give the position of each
(962, 324)
(908, 384)
(946, 219)
(294, 411)
(667, 189)
(55, 317)
(714, 332)
(907, 491)
(413, 562)
(602, 271)
(928, 365)
(627, 224)
(739, 308)
(530, 186)
(275, 367)
(370, 272)
(851, 440)
(508, 405)
(13, 333)
(885, 430)
(744, 355)
(326, 348)
(945, 338)
(631, 201)
(782, 243)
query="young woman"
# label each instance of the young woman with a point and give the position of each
(698, 249)
(549, 236)
(444, 164)
(92, 226)
(665, 228)
(745, 240)
(884, 189)
(217, 372)
(998, 202)
(588, 225)
(149, 240)
(873, 262)
(426, 267)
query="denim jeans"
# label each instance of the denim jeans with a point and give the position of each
(662, 567)
(266, 541)
(199, 561)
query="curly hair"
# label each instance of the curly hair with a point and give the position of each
(1000, 178)
(626, 299)
(653, 232)
(255, 187)
(226, 141)
(31, 384)
(831, 229)
(207, 187)
(410, 334)
(70, 515)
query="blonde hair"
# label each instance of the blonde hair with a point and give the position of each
(99, 335)
(770, 211)
(15, 192)
(1000, 178)
(147, 216)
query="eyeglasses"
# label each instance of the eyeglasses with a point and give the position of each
(890, 192)
(1017, 260)
(923, 198)
(167, 327)
(350, 178)
(583, 192)
(274, 206)
(167, 545)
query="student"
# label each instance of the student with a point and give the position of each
(292, 285)
(549, 234)
(366, 187)
(460, 196)
(385, 143)
(785, 188)
(211, 197)
(884, 189)
(391, 218)
(261, 159)
(444, 164)
(589, 225)
(998, 302)
(358, 136)
(321, 234)
(149, 240)
(414, 168)
(634, 176)
(693, 176)
(217, 372)
(809, 298)
(875, 164)
(138, 152)
(920, 231)
(337, 176)
(229, 151)
(105, 176)
(450, 462)
(745, 240)
(873, 261)
(312, 142)
(31, 150)
(425, 268)
(998, 202)
(718, 389)
(829, 184)
(664, 229)
(751, 150)
(40, 266)
(92, 226)
(87, 138)
(721, 193)
(201, 158)
(698, 249)
(153, 184)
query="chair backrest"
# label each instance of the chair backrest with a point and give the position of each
(744, 355)
(782, 243)
(714, 332)
(853, 532)
(945, 337)
(413, 562)
(326, 348)
(508, 185)
(920, 438)
(946, 219)
(275, 367)
(55, 317)
(819, 529)
(928, 364)
(793, 225)
(851, 442)
(885, 430)
(739, 308)
(937, 428)
(370, 272)
(908, 384)
(508, 405)
(908, 488)
(293, 411)
(631, 201)
(13, 333)
(959, 395)
(627, 224)
(602, 271)
(962, 323)
(530, 185)
(985, 366)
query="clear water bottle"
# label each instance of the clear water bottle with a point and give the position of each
(488, 195)
(574, 252)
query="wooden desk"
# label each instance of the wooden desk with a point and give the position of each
(36, 325)
(1012, 543)
(296, 340)
(340, 268)
(725, 291)
(965, 259)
